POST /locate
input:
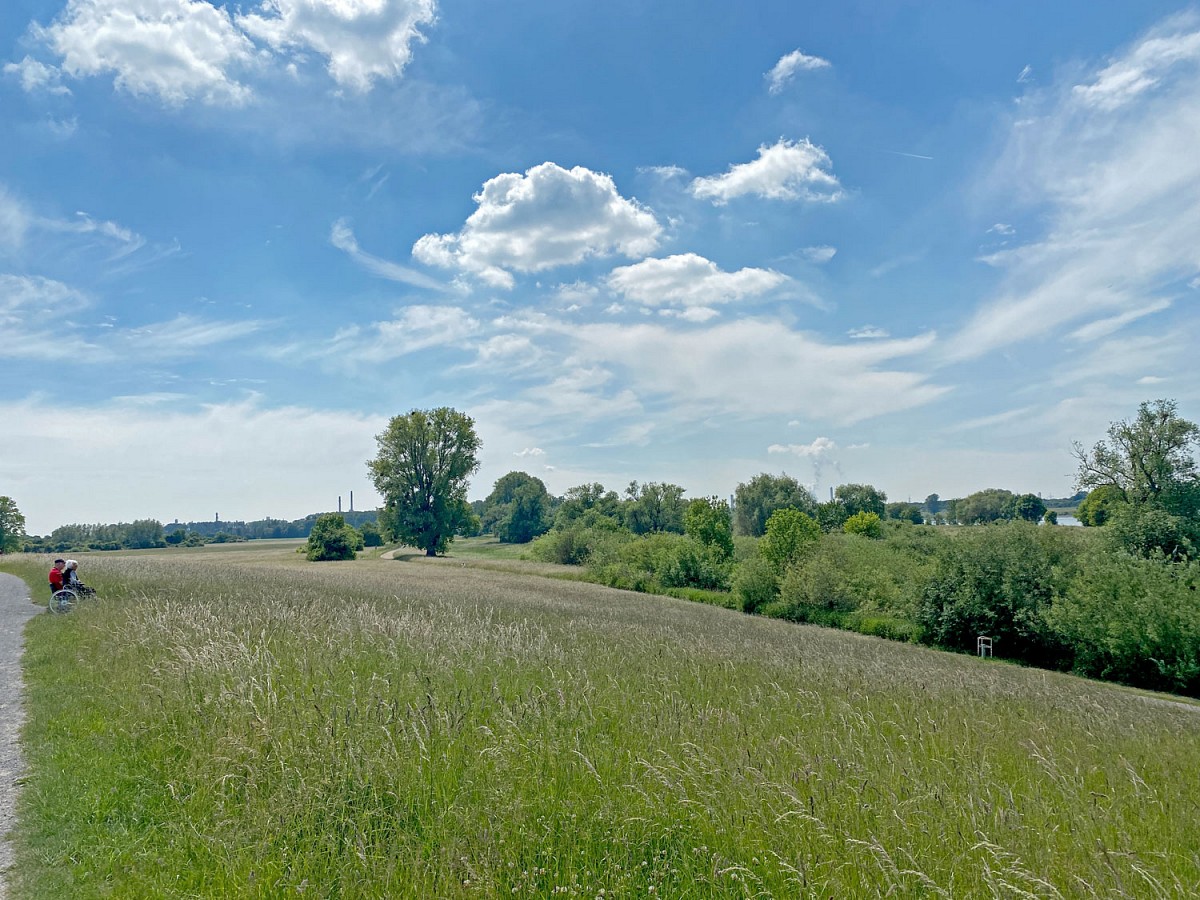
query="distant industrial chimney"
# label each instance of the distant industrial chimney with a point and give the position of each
(339, 502)
(352, 501)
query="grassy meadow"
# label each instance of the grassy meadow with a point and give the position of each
(235, 722)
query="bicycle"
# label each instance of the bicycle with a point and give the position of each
(65, 600)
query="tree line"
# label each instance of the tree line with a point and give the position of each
(1117, 601)
(150, 533)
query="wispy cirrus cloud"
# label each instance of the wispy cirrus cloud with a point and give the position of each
(40, 321)
(414, 328)
(1112, 161)
(341, 236)
(786, 170)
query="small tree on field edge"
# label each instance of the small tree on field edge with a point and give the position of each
(332, 538)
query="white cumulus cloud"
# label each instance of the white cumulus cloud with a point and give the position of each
(36, 76)
(175, 50)
(793, 373)
(822, 446)
(362, 40)
(787, 67)
(689, 280)
(787, 170)
(547, 217)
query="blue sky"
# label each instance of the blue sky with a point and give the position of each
(924, 246)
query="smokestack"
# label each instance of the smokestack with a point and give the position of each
(339, 502)
(352, 501)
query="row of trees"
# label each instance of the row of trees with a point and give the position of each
(147, 533)
(425, 459)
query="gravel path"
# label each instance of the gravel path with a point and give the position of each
(15, 611)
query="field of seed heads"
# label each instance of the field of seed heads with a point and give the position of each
(244, 724)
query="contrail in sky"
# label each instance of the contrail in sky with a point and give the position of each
(902, 153)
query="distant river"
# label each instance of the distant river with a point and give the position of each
(1069, 520)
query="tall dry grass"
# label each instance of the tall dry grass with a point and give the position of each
(239, 725)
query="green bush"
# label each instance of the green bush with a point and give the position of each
(661, 560)
(998, 581)
(848, 572)
(790, 535)
(331, 538)
(1148, 530)
(370, 534)
(1134, 620)
(755, 584)
(866, 524)
(576, 543)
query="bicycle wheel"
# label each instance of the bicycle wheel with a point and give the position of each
(62, 601)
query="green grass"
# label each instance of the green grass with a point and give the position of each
(243, 724)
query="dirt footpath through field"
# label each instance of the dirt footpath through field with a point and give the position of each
(15, 611)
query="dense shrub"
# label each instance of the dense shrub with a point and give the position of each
(998, 581)
(866, 524)
(1134, 620)
(845, 573)
(790, 535)
(661, 560)
(332, 538)
(371, 535)
(1149, 530)
(755, 584)
(577, 542)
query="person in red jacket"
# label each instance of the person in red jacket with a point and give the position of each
(56, 576)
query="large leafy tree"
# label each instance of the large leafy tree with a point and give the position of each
(588, 503)
(707, 519)
(856, 498)
(1150, 464)
(12, 525)
(1149, 459)
(1099, 505)
(1028, 507)
(421, 471)
(518, 508)
(756, 499)
(988, 505)
(654, 507)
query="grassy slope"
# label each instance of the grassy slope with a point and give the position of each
(233, 721)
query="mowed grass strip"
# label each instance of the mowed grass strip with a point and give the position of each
(225, 726)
